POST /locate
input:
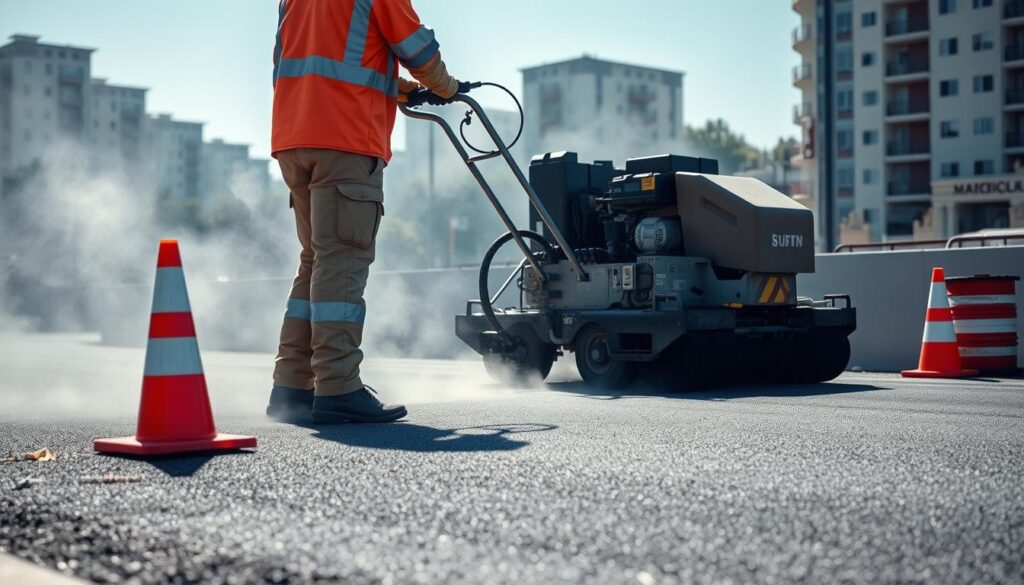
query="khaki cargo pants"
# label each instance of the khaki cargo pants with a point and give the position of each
(338, 200)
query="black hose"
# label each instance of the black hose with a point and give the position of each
(468, 120)
(485, 271)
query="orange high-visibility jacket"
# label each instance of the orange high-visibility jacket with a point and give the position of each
(336, 72)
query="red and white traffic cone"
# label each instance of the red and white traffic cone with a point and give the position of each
(940, 353)
(174, 414)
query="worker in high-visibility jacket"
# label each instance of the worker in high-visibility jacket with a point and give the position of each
(336, 90)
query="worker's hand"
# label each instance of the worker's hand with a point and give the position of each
(405, 87)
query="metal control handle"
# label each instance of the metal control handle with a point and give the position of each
(417, 98)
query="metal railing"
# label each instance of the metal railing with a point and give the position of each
(900, 148)
(1014, 96)
(955, 242)
(1013, 9)
(906, 107)
(1015, 139)
(1014, 52)
(906, 27)
(907, 67)
(801, 111)
(801, 34)
(801, 72)
(898, 188)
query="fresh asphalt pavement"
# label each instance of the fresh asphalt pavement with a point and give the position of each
(868, 479)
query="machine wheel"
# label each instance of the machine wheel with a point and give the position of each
(530, 364)
(595, 363)
(821, 357)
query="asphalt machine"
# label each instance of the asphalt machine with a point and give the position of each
(663, 269)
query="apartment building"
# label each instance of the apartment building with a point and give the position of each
(912, 116)
(227, 167)
(602, 109)
(117, 121)
(43, 97)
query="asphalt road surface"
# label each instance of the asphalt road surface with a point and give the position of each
(871, 479)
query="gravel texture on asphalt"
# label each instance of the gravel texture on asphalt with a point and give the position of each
(871, 479)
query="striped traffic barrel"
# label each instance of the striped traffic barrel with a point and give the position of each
(985, 319)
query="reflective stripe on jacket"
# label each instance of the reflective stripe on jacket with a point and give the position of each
(336, 72)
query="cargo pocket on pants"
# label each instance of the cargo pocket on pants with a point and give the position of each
(358, 220)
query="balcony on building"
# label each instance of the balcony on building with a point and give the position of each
(907, 106)
(908, 26)
(1015, 97)
(1013, 9)
(914, 65)
(907, 148)
(802, 74)
(802, 36)
(844, 34)
(1013, 53)
(1015, 138)
(909, 187)
(844, 112)
(801, 112)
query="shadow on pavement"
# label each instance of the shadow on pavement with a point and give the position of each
(419, 438)
(723, 393)
(181, 465)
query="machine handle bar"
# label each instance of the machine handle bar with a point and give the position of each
(501, 149)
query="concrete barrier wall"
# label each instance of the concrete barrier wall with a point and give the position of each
(890, 291)
(411, 313)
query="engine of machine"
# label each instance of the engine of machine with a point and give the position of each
(669, 232)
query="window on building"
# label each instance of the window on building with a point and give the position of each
(844, 139)
(983, 83)
(49, 91)
(49, 68)
(870, 98)
(947, 6)
(870, 176)
(984, 126)
(844, 177)
(844, 60)
(949, 129)
(869, 19)
(844, 100)
(983, 41)
(28, 66)
(948, 47)
(870, 137)
(867, 59)
(982, 3)
(949, 87)
(844, 22)
(984, 167)
(950, 169)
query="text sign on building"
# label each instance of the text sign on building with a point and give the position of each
(1002, 186)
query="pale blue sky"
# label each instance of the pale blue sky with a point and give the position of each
(209, 60)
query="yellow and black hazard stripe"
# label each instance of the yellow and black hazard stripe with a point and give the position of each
(775, 290)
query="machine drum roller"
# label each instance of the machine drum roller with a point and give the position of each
(663, 269)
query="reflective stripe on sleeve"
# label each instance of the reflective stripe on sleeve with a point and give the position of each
(176, 356)
(423, 56)
(332, 69)
(339, 312)
(299, 309)
(414, 44)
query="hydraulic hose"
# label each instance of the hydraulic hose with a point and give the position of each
(485, 270)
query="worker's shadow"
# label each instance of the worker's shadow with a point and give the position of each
(724, 392)
(419, 438)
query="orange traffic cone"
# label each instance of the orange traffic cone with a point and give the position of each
(174, 414)
(940, 353)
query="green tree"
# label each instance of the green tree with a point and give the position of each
(716, 140)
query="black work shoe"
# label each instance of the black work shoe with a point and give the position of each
(361, 406)
(290, 404)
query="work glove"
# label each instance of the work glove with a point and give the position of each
(405, 87)
(434, 76)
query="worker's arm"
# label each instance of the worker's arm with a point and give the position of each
(415, 45)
